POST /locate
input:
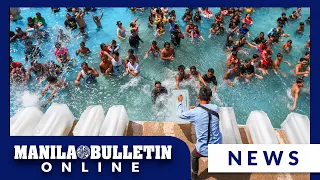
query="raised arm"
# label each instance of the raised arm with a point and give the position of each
(296, 95)
(94, 72)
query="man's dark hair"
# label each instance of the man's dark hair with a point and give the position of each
(205, 93)
(166, 43)
(181, 67)
(101, 45)
(116, 53)
(283, 14)
(51, 79)
(279, 55)
(299, 80)
(130, 51)
(211, 70)
(84, 63)
(307, 53)
(157, 82)
(193, 67)
(303, 59)
(247, 60)
(255, 56)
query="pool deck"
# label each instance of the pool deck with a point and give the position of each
(186, 133)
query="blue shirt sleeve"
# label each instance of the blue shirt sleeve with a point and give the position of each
(186, 115)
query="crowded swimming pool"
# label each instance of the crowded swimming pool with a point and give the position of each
(271, 94)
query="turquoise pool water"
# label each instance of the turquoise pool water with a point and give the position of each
(269, 94)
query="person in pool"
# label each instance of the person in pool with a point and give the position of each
(117, 64)
(82, 33)
(187, 15)
(87, 73)
(53, 69)
(209, 77)
(70, 22)
(232, 73)
(56, 84)
(295, 91)
(266, 63)
(193, 73)
(39, 19)
(258, 40)
(277, 63)
(182, 75)
(39, 35)
(287, 47)
(197, 17)
(196, 33)
(167, 53)
(97, 19)
(133, 67)
(159, 31)
(244, 30)
(121, 32)
(229, 43)
(55, 10)
(189, 28)
(17, 72)
(15, 14)
(134, 39)
(301, 69)
(19, 35)
(283, 20)
(134, 25)
(233, 60)
(301, 27)
(247, 71)
(62, 37)
(154, 49)
(39, 69)
(299, 12)
(62, 55)
(80, 20)
(248, 20)
(103, 50)
(83, 50)
(176, 35)
(30, 23)
(113, 47)
(294, 15)
(158, 91)
(105, 66)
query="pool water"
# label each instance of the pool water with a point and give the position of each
(270, 94)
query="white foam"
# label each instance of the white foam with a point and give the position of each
(29, 99)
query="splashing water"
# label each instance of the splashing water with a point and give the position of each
(29, 99)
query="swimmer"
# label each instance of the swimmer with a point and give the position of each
(117, 64)
(247, 20)
(62, 37)
(154, 49)
(39, 69)
(193, 73)
(287, 47)
(301, 69)
(233, 60)
(80, 20)
(157, 91)
(70, 22)
(134, 25)
(159, 31)
(87, 73)
(256, 63)
(295, 91)
(151, 20)
(187, 15)
(206, 12)
(130, 53)
(282, 20)
(103, 50)
(281, 32)
(83, 50)
(244, 30)
(176, 35)
(97, 19)
(232, 73)
(197, 17)
(277, 63)
(19, 35)
(299, 12)
(247, 70)
(133, 67)
(258, 40)
(181, 76)
(30, 23)
(308, 20)
(213, 30)
(196, 33)
(167, 53)
(232, 28)
(17, 72)
(105, 66)
(61, 53)
(301, 27)
(229, 43)
(189, 28)
(39, 34)
(55, 10)
(113, 47)
(39, 20)
(134, 39)
(266, 64)
(53, 69)
(56, 84)
(121, 32)
(294, 15)
(209, 77)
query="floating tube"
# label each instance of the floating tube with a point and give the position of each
(57, 121)
(297, 127)
(260, 128)
(228, 126)
(174, 105)
(90, 121)
(116, 122)
(24, 122)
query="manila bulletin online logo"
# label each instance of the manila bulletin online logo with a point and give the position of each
(101, 153)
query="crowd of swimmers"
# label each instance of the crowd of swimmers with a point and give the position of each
(111, 65)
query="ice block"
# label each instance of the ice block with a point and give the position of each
(260, 129)
(90, 121)
(57, 121)
(24, 122)
(115, 123)
(174, 105)
(297, 127)
(229, 126)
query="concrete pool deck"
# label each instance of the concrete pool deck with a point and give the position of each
(186, 133)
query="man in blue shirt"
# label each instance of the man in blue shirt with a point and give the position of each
(207, 127)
